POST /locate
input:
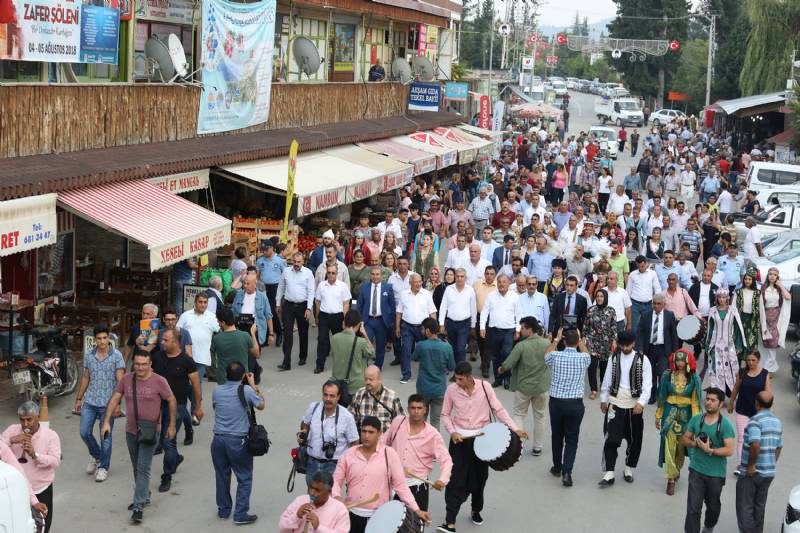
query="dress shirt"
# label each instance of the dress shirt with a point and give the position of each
(365, 403)
(688, 274)
(393, 226)
(482, 291)
(457, 216)
(540, 265)
(569, 371)
(623, 400)
(201, 327)
(704, 300)
(367, 477)
(663, 272)
(641, 286)
(416, 307)
(458, 305)
(296, 286)
(417, 452)
(579, 269)
(569, 236)
(733, 268)
(501, 311)
(341, 432)
(527, 215)
(619, 300)
(270, 268)
(617, 203)
(508, 271)
(481, 208)
(374, 310)
(342, 274)
(332, 296)
(536, 306)
(40, 471)
(333, 517)
(680, 303)
(467, 413)
(457, 258)
(475, 272)
(400, 284)
(658, 333)
(487, 250)
(679, 221)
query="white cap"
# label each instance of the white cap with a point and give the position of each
(328, 235)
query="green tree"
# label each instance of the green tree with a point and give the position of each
(732, 24)
(691, 74)
(773, 35)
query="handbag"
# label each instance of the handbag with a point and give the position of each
(257, 437)
(145, 429)
(344, 393)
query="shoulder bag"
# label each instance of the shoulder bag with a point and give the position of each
(146, 432)
(344, 393)
(257, 436)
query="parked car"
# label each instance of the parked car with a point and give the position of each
(775, 219)
(620, 111)
(665, 116)
(791, 520)
(571, 83)
(764, 175)
(559, 87)
(779, 195)
(608, 139)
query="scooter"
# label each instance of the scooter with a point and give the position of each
(50, 370)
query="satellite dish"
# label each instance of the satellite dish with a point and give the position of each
(423, 68)
(158, 56)
(401, 70)
(616, 53)
(306, 55)
(178, 55)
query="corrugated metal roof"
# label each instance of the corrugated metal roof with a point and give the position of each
(730, 107)
(32, 175)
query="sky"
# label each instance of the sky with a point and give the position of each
(561, 13)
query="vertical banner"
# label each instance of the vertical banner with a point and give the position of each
(289, 189)
(497, 115)
(237, 47)
(484, 113)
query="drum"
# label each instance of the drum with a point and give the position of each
(691, 329)
(394, 517)
(498, 446)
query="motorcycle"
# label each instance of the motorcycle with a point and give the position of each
(48, 371)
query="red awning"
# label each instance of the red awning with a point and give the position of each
(173, 229)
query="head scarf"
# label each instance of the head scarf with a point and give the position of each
(686, 356)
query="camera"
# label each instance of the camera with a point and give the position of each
(702, 436)
(329, 448)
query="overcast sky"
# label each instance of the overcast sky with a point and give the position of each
(560, 13)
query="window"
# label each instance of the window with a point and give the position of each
(56, 267)
(785, 197)
(783, 177)
(778, 218)
(20, 71)
(312, 29)
(146, 29)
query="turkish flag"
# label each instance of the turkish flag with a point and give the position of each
(8, 13)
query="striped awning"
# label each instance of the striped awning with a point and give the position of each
(172, 228)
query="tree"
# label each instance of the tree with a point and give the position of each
(773, 35)
(732, 24)
(691, 74)
(651, 76)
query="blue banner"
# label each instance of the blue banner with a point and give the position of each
(237, 45)
(455, 90)
(99, 34)
(424, 96)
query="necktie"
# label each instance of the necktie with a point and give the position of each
(569, 303)
(505, 262)
(374, 311)
(654, 333)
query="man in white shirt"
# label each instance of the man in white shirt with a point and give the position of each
(330, 259)
(487, 244)
(476, 265)
(414, 306)
(571, 232)
(625, 392)
(515, 268)
(680, 218)
(642, 285)
(295, 300)
(458, 257)
(536, 207)
(201, 325)
(458, 313)
(499, 325)
(390, 224)
(617, 201)
(752, 240)
(654, 221)
(725, 202)
(534, 303)
(331, 302)
(620, 301)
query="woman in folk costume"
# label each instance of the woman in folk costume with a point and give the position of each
(747, 303)
(679, 395)
(775, 308)
(725, 343)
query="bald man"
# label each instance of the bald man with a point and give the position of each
(373, 399)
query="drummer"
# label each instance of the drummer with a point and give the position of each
(317, 509)
(677, 299)
(418, 444)
(468, 407)
(369, 469)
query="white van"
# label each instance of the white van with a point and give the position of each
(763, 175)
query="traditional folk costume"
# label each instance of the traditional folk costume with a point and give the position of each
(775, 311)
(725, 345)
(678, 401)
(749, 308)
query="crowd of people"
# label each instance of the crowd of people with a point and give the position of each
(551, 271)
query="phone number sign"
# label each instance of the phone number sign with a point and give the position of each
(27, 223)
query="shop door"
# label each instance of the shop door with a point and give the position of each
(344, 52)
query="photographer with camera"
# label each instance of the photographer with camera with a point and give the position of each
(709, 439)
(327, 429)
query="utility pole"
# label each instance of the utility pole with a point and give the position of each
(533, 66)
(711, 54)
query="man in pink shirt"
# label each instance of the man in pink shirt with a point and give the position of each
(677, 299)
(418, 444)
(372, 469)
(38, 450)
(439, 220)
(468, 406)
(8, 457)
(322, 513)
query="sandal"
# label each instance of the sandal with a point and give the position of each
(593, 395)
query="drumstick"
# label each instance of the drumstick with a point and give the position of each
(409, 473)
(481, 434)
(364, 502)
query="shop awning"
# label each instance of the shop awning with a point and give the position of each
(391, 174)
(431, 143)
(496, 137)
(183, 182)
(27, 223)
(467, 153)
(423, 162)
(484, 148)
(173, 229)
(750, 105)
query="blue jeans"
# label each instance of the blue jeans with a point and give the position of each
(102, 451)
(314, 465)
(141, 459)
(500, 342)
(457, 336)
(170, 446)
(637, 308)
(409, 335)
(230, 453)
(376, 331)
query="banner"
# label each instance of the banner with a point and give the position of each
(60, 31)
(485, 114)
(183, 182)
(237, 45)
(289, 189)
(171, 11)
(454, 90)
(497, 115)
(27, 223)
(424, 96)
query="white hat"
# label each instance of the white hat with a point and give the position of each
(328, 235)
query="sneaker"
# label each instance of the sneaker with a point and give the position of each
(188, 440)
(446, 528)
(403, 381)
(477, 519)
(101, 475)
(178, 462)
(247, 519)
(91, 468)
(166, 484)
(195, 421)
(136, 517)
(536, 452)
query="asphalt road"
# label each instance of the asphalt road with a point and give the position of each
(524, 499)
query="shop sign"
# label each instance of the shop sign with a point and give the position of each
(28, 223)
(485, 113)
(457, 91)
(448, 159)
(184, 182)
(424, 96)
(172, 11)
(189, 292)
(422, 166)
(320, 202)
(497, 116)
(397, 180)
(183, 249)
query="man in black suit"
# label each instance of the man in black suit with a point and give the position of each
(657, 338)
(502, 254)
(703, 294)
(569, 308)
